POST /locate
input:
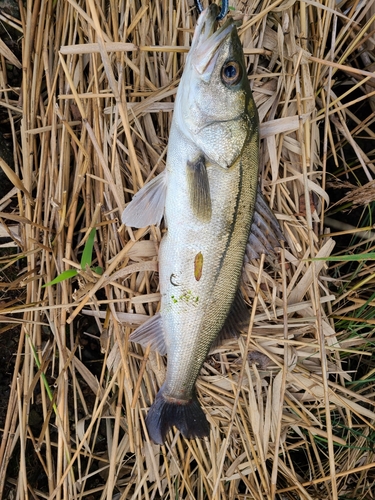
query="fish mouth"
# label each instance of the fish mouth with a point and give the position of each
(206, 41)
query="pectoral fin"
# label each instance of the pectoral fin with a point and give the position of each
(265, 233)
(147, 206)
(199, 189)
(151, 333)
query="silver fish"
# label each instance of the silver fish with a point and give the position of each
(207, 195)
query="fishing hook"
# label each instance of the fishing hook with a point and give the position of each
(223, 12)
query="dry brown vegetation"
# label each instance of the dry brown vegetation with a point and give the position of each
(90, 125)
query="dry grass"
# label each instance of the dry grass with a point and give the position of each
(90, 126)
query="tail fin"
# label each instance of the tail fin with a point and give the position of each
(187, 416)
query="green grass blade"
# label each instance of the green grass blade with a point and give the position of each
(348, 258)
(65, 275)
(87, 251)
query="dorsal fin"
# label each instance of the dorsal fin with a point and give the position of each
(265, 233)
(237, 321)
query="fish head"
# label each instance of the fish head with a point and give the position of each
(214, 105)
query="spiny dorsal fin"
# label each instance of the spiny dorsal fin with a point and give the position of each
(199, 189)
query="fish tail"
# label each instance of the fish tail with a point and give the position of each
(187, 416)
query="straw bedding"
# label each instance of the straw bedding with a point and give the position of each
(90, 125)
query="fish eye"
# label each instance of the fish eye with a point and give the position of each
(231, 73)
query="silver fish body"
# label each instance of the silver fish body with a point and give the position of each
(207, 194)
(201, 262)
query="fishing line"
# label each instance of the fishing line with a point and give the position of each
(223, 12)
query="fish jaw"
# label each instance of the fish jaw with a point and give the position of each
(206, 42)
(205, 27)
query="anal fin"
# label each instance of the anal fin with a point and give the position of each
(147, 206)
(151, 333)
(199, 189)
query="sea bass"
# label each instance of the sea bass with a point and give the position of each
(207, 195)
